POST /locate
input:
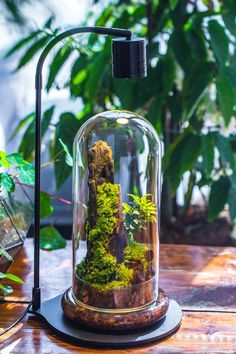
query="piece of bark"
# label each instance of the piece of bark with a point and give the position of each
(101, 170)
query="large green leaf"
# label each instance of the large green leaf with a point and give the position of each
(7, 182)
(195, 84)
(155, 113)
(3, 160)
(207, 150)
(182, 157)
(219, 42)
(232, 202)
(173, 4)
(66, 130)
(230, 72)
(181, 49)
(51, 239)
(21, 43)
(33, 49)
(79, 75)
(46, 209)
(225, 95)
(58, 61)
(11, 277)
(218, 197)
(69, 158)
(15, 159)
(5, 254)
(229, 15)
(224, 147)
(5, 289)
(22, 123)
(26, 173)
(27, 142)
(95, 73)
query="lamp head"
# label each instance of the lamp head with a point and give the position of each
(129, 58)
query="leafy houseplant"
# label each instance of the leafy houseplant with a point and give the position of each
(189, 94)
(7, 289)
(13, 170)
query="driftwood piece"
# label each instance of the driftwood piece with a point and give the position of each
(101, 170)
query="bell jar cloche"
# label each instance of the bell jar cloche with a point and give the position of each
(116, 202)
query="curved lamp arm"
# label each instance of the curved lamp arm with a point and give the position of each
(129, 61)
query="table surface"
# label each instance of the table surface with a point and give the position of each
(201, 279)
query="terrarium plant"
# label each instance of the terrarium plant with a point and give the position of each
(7, 289)
(114, 259)
(14, 214)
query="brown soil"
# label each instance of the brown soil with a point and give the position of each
(193, 228)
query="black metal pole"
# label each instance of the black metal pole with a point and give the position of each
(36, 295)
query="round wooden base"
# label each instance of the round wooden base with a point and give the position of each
(116, 320)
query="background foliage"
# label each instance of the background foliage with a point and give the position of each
(189, 95)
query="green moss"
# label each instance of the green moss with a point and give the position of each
(101, 266)
(80, 269)
(136, 252)
(124, 277)
(107, 211)
(124, 274)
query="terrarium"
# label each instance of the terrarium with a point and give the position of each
(116, 200)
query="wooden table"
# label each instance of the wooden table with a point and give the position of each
(201, 279)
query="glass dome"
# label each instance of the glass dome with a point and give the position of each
(116, 202)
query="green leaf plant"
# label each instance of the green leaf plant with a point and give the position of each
(15, 170)
(189, 95)
(138, 213)
(7, 289)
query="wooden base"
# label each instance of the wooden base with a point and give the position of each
(114, 320)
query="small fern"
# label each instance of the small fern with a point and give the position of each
(139, 212)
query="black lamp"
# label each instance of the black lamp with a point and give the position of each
(128, 61)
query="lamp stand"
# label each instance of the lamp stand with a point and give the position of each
(51, 311)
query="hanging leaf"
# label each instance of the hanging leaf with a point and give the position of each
(33, 49)
(225, 95)
(66, 130)
(51, 239)
(3, 160)
(195, 84)
(182, 157)
(173, 4)
(11, 277)
(229, 15)
(5, 289)
(22, 43)
(225, 149)
(46, 209)
(22, 123)
(15, 159)
(207, 151)
(58, 61)
(219, 42)
(27, 142)
(69, 159)
(232, 202)
(7, 182)
(181, 49)
(5, 254)
(218, 197)
(27, 173)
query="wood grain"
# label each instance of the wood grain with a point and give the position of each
(199, 333)
(199, 278)
(202, 279)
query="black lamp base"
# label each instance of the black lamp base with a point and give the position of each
(52, 313)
